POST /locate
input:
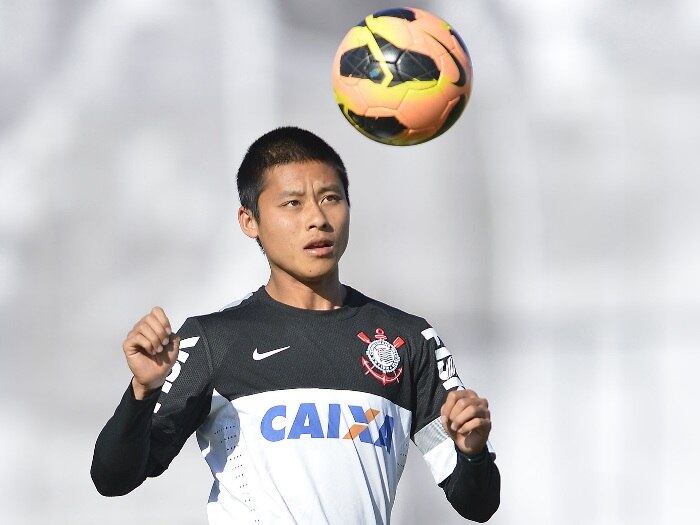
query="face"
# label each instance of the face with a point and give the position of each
(304, 220)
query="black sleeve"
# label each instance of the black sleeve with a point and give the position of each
(143, 436)
(471, 484)
(474, 486)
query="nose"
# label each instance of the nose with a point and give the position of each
(317, 218)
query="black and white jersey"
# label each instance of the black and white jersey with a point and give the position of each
(303, 416)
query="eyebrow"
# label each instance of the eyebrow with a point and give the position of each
(300, 193)
(329, 187)
(291, 193)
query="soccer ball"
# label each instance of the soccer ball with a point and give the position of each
(402, 76)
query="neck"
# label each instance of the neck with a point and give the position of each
(325, 294)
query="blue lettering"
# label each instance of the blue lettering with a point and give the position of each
(386, 431)
(306, 422)
(268, 431)
(333, 421)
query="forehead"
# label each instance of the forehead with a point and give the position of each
(298, 174)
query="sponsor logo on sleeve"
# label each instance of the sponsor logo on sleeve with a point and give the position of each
(177, 367)
(445, 363)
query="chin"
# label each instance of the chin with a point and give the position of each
(316, 274)
(306, 271)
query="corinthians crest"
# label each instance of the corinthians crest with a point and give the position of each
(382, 359)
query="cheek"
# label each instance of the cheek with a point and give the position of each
(343, 222)
(278, 232)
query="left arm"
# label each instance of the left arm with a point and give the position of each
(451, 426)
(474, 486)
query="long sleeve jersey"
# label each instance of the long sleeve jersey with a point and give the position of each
(303, 416)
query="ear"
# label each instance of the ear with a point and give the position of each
(249, 225)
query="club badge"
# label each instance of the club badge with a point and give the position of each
(382, 360)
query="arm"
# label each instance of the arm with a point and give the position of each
(152, 423)
(121, 459)
(459, 458)
(474, 486)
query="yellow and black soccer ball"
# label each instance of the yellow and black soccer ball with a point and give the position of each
(402, 76)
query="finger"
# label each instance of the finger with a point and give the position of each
(169, 354)
(475, 424)
(463, 397)
(462, 404)
(173, 347)
(152, 336)
(469, 413)
(130, 343)
(460, 415)
(469, 393)
(452, 397)
(138, 323)
(158, 312)
(138, 343)
(156, 325)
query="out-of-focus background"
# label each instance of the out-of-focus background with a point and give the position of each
(551, 236)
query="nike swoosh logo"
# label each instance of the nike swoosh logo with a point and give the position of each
(258, 356)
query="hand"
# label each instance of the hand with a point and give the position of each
(150, 350)
(467, 420)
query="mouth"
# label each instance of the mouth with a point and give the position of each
(319, 247)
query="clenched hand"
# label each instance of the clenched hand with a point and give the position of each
(150, 350)
(467, 420)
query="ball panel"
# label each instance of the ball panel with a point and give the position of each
(389, 51)
(356, 37)
(422, 109)
(379, 96)
(394, 30)
(455, 108)
(459, 41)
(453, 71)
(352, 98)
(381, 127)
(358, 62)
(417, 66)
(448, 109)
(418, 136)
(432, 24)
(445, 35)
(377, 111)
(406, 65)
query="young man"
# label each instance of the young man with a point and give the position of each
(304, 395)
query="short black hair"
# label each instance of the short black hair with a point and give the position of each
(282, 146)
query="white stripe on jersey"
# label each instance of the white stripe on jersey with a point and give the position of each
(441, 458)
(188, 343)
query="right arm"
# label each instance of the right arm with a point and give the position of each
(167, 399)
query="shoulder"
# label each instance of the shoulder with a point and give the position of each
(217, 330)
(239, 310)
(401, 317)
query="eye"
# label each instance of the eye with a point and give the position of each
(332, 197)
(292, 204)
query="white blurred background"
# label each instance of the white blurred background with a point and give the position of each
(551, 236)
